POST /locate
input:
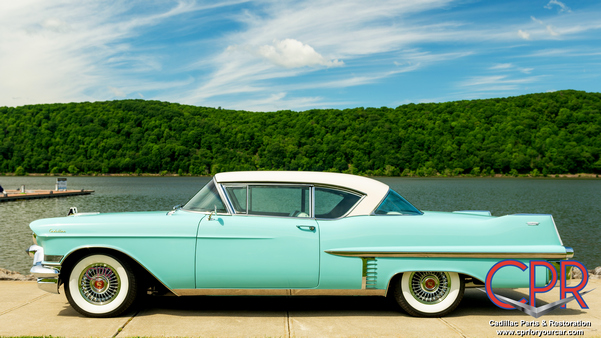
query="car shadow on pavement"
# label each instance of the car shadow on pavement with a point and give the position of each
(475, 302)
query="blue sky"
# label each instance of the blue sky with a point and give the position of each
(298, 55)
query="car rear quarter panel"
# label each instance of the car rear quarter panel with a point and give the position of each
(435, 232)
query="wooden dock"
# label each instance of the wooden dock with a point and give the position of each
(13, 195)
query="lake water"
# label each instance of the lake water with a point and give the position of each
(574, 203)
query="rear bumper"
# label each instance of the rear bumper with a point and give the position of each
(47, 277)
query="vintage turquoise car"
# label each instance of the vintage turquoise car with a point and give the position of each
(288, 233)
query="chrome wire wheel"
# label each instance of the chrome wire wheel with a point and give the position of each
(99, 283)
(429, 293)
(430, 287)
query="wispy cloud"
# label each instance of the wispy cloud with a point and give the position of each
(502, 66)
(497, 82)
(271, 55)
(71, 50)
(510, 67)
(524, 35)
(561, 5)
(306, 37)
(280, 101)
(549, 28)
(565, 52)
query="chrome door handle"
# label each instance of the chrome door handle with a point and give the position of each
(306, 227)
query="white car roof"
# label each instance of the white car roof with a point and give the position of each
(374, 191)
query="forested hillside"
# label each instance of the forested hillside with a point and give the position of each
(550, 133)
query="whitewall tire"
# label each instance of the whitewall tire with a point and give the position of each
(101, 285)
(429, 293)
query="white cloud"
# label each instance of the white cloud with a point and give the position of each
(562, 6)
(496, 82)
(524, 35)
(116, 91)
(56, 25)
(280, 101)
(290, 53)
(510, 67)
(298, 38)
(69, 50)
(549, 28)
(536, 20)
(526, 70)
(566, 52)
(552, 31)
(502, 66)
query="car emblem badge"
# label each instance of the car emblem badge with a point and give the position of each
(430, 284)
(99, 284)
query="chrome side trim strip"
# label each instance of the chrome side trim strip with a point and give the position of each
(409, 254)
(279, 292)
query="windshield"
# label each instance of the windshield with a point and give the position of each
(207, 199)
(395, 204)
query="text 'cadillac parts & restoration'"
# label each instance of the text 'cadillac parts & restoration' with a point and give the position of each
(288, 233)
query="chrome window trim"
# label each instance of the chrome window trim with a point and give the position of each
(247, 184)
(205, 212)
(313, 202)
(227, 185)
(223, 196)
(311, 197)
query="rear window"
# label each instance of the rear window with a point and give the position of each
(395, 204)
(333, 203)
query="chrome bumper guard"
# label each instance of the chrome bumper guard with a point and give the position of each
(47, 277)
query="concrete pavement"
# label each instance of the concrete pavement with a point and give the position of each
(27, 311)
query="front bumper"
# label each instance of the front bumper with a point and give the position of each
(47, 277)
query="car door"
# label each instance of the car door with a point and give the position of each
(269, 242)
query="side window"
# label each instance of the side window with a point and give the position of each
(395, 204)
(276, 200)
(207, 199)
(333, 203)
(237, 196)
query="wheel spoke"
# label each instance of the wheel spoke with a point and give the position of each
(430, 287)
(99, 284)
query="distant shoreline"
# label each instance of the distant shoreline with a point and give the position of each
(580, 175)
